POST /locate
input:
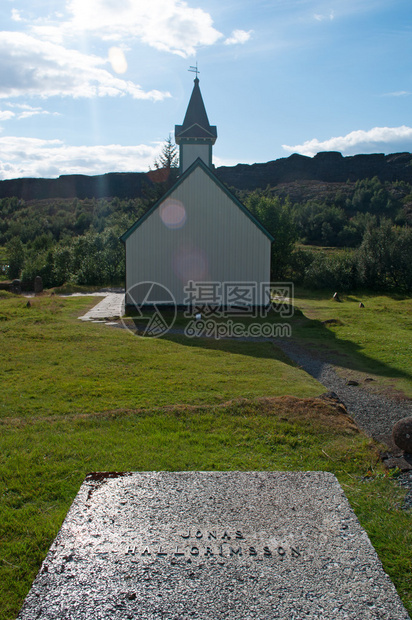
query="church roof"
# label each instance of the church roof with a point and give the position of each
(196, 123)
(213, 177)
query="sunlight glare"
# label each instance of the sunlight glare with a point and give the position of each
(117, 60)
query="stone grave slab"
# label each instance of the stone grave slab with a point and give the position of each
(212, 545)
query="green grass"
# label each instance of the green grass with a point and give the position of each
(84, 397)
(374, 341)
(54, 364)
(324, 249)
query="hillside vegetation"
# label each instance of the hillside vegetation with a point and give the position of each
(77, 241)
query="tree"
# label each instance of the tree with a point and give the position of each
(276, 216)
(402, 258)
(335, 271)
(385, 257)
(165, 171)
(375, 255)
(319, 223)
(168, 158)
(15, 252)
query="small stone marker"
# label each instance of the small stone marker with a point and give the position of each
(15, 287)
(212, 545)
(38, 285)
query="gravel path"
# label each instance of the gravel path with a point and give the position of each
(374, 414)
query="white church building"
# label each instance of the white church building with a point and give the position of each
(198, 236)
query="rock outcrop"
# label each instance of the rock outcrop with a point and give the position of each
(329, 167)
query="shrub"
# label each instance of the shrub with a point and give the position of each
(384, 258)
(337, 272)
(300, 261)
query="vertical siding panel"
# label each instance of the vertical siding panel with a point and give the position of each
(216, 234)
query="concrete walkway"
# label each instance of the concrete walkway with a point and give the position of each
(111, 307)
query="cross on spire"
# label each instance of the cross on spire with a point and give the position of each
(194, 70)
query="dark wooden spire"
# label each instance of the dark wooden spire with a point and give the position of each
(196, 123)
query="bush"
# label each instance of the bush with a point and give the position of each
(384, 258)
(337, 272)
(277, 217)
(38, 265)
(300, 261)
(15, 253)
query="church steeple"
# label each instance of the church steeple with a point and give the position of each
(196, 136)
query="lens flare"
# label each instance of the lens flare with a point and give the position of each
(190, 264)
(173, 214)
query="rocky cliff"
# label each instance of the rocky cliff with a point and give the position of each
(121, 184)
(330, 167)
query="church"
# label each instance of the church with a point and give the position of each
(198, 242)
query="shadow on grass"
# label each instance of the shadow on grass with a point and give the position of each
(318, 341)
(235, 347)
(313, 336)
(253, 347)
(339, 332)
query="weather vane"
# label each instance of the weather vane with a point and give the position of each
(194, 70)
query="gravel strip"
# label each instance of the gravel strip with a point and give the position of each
(373, 413)
(405, 480)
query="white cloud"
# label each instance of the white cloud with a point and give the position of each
(6, 115)
(29, 66)
(32, 157)
(398, 93)
(227, 161)
(238, 36)
(27, 111)
(35, 112)
(15, 15)
(167, 25)
(329, 10)
(320, 17)
(378, 139)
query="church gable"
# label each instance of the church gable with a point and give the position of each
(192, 189)
(197, 232)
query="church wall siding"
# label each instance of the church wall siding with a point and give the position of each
(197, 233)
(190, 152)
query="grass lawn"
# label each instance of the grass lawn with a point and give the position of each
(54, 364)
(84, 397)
(374, 341)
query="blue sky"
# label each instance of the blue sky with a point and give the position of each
(95, 86)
